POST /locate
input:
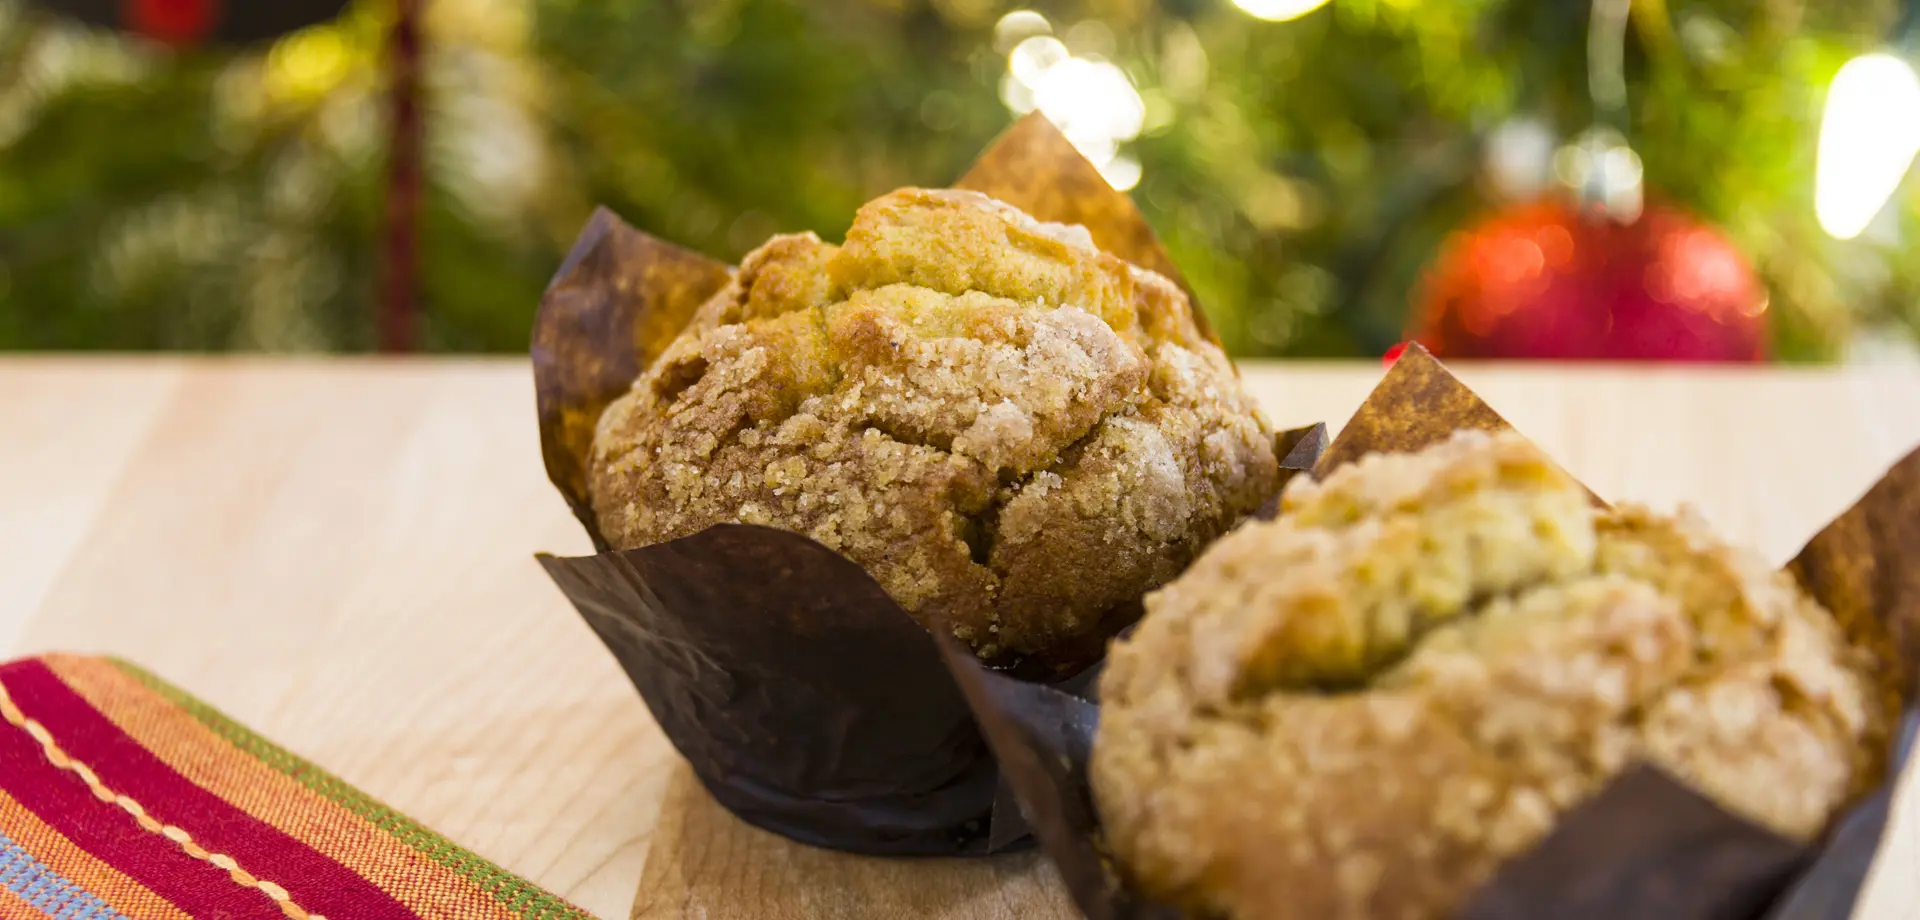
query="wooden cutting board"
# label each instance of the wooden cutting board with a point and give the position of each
(339, 553)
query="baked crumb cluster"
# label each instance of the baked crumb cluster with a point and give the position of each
(1359, 709)
(1012, 431)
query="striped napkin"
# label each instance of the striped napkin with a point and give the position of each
(122, 797)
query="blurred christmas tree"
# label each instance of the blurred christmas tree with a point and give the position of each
(212, 200)
(1304, 172)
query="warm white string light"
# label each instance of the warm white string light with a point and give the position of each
(1868, 137)
(1279, 10)
(1089, 99)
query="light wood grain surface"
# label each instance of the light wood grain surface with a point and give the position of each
(340, 555)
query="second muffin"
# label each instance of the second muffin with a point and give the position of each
(1360, 709)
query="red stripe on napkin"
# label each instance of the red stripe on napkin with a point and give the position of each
(312, 880)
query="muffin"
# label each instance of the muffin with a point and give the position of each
(1361, 708)
(1014, 432)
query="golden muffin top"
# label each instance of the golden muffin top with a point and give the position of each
(1014, 432)
(1360, 708)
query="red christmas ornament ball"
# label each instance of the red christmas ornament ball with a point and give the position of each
(1545, 280)
(175, 22)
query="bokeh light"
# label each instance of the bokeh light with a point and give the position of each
(1868, 137)
(308, 64)
(1031, 59)
(1519, 158)
(1604, 172)
(1279, 10)
(1088, 98)
(1122, 172)
(1018, 26)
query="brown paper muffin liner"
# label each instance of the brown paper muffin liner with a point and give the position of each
(1647, 845)
(806, 700)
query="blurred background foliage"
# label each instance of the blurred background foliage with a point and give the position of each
(1303, 172)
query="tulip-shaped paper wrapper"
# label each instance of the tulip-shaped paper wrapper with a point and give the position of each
(805, 699)
(1645, 846)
